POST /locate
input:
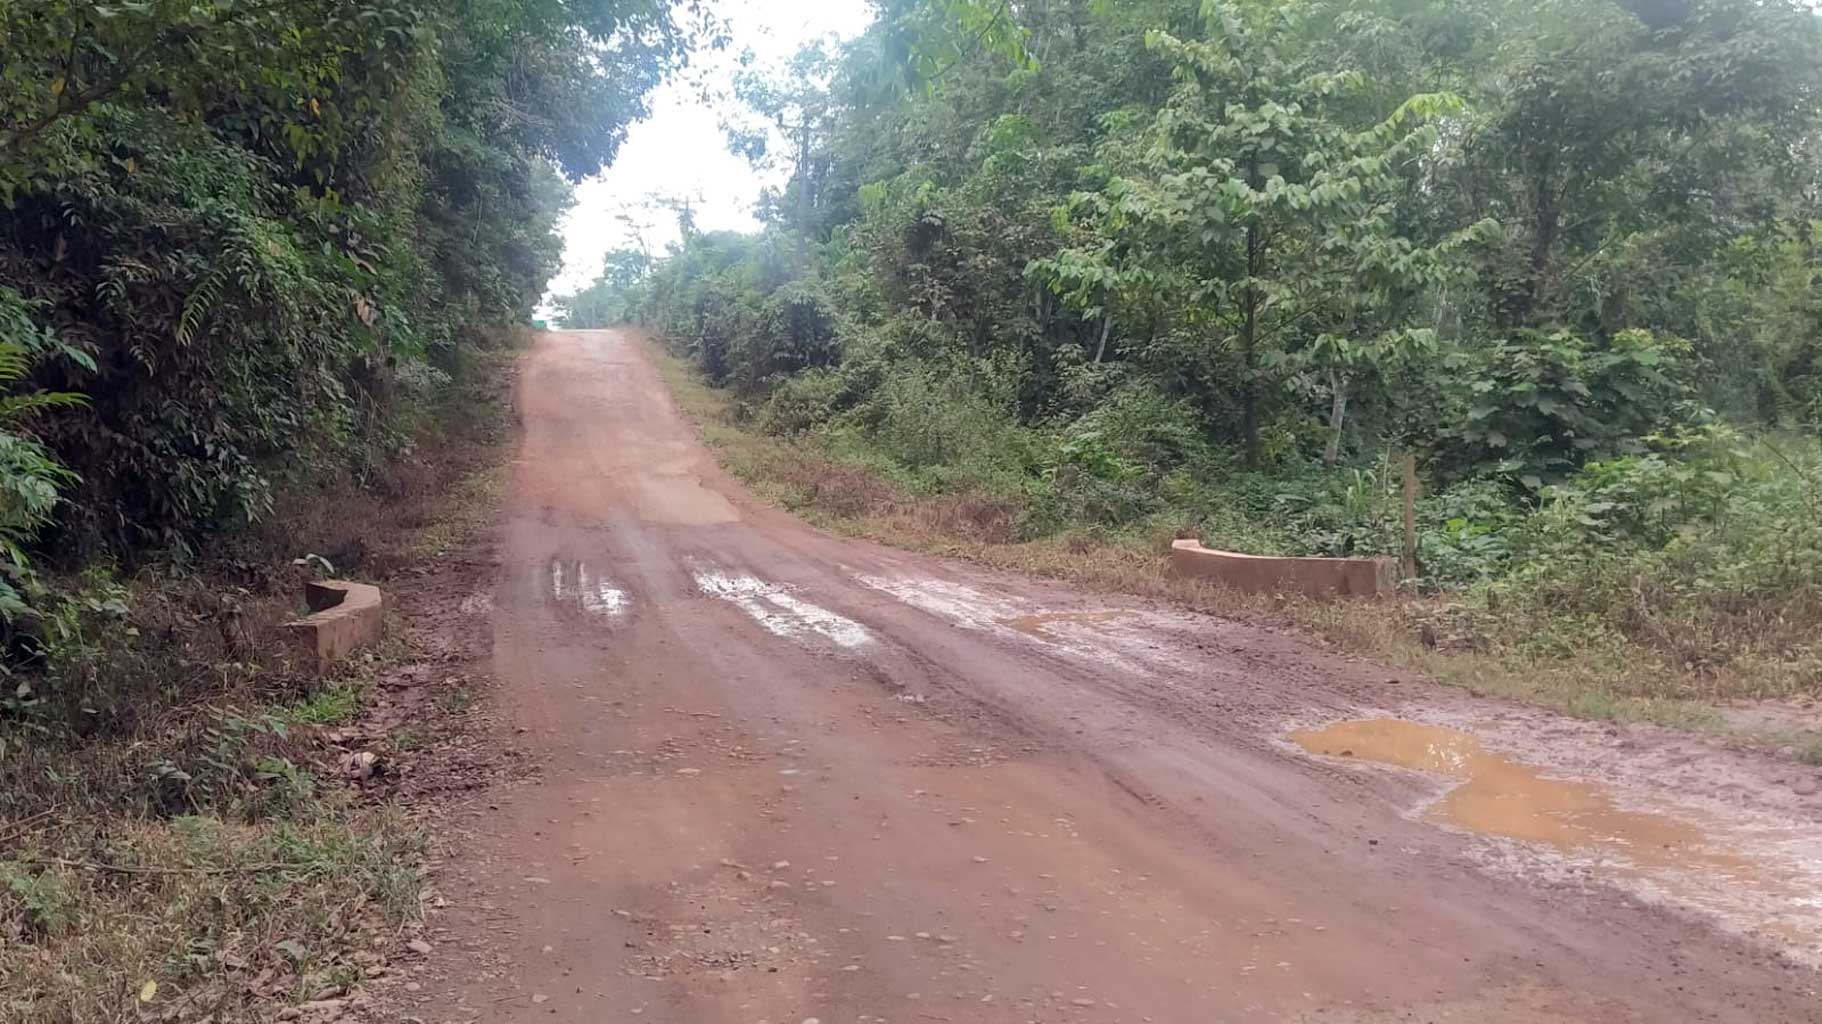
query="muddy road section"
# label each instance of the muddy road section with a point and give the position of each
(790, 777)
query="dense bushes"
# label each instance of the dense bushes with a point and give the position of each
(1709, 553)
(1537, 407)
(252, 253)
(248, 232)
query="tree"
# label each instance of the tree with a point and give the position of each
(792, 102)
(1611, 128)
(1264, 223)
(613, 298)
(260, 219)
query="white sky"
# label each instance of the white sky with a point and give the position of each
(680, 149)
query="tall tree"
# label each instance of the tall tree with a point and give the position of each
(792, 104)
(1264, 222)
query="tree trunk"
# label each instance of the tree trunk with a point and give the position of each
(1100, 351)
(1338, 410)
(803, 197)
(1522, 301)
(1408, 559)
(1543, 243)
(1249, 356)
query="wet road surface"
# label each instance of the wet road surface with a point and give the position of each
(788, 776)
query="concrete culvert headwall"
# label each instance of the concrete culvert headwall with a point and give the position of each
(344, 617)
(1265, 574)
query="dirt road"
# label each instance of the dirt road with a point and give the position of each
(787, 776)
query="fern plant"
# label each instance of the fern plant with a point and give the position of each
(30, 477)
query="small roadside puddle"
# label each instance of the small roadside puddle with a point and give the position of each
(1501, 797)
(1756, 877)
(571, 582)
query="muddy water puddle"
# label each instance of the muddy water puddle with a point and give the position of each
(1756, 876)
(594, 592)
(1501, 797)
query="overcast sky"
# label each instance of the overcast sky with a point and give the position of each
(680, 149)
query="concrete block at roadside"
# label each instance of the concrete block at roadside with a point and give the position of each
(344, 617)
(1265, 574)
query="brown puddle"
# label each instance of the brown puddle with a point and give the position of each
(1037, 625)
(1690, 859)
(1504, 798)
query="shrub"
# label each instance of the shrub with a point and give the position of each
(803, 402)
(1465, 533)
(945, 426)
(796, 330)
(31, 479)
(1539, 405)
(1110, 463)
(1708, 554)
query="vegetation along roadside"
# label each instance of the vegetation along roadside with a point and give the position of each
(197, 825)
(1464, 638)
(1214, 269)
(261, 264)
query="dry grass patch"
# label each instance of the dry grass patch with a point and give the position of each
(195, 917)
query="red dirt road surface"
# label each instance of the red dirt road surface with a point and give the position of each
(789, 777)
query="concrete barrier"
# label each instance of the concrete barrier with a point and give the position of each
(1263, 574)
(344, 617)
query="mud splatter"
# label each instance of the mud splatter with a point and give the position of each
(962, 605)
(1044, 624)
(599, 596)
(778, 610)
(1757, 877)
(1123, 638)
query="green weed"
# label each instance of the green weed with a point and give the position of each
(335, 706)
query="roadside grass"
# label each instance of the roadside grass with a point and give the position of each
(175, 841)
(196, 916)
(337, 705)
(470, 510)
(1596, 680)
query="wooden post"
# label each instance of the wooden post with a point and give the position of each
(1408, 564)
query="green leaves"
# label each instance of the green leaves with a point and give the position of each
(930, 38)
(1543, 405)
(31, 479)
(1256, 215)
(253, 221)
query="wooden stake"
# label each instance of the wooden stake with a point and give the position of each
(1408, 564)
